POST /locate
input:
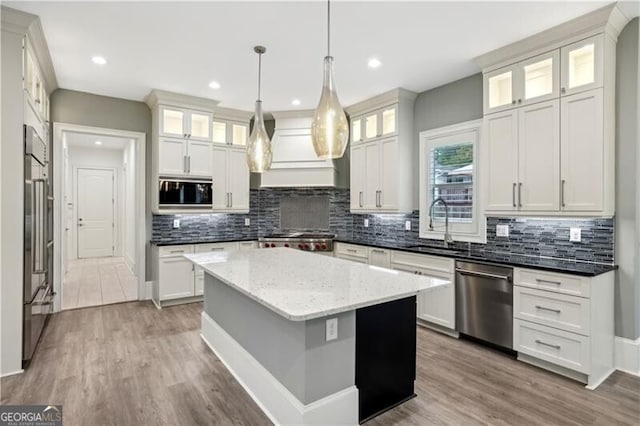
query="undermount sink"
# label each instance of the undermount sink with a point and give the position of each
(435, 250)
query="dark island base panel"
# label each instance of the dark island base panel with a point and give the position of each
(385, 356)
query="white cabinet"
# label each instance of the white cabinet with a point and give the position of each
(175, 274)
(523, 158)
(230, 179)
(185, 123)
(36, 97)
(436, 306)
(582, 65)
(583, 152)
(183, 157)
(534, 80)
(382, 150)
(230, 132)
(210, 247)
(353, 252)
(564, 323)
(379, 257)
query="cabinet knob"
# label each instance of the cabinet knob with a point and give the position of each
(519, 101)
(513, 102)
(563, 90)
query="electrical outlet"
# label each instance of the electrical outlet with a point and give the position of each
(332, 329)
(407, 225)
(247, 221)
(366, 223)
(502, 230)
(176, 223)
(575, 235)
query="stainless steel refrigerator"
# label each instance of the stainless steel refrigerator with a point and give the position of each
(38, 242)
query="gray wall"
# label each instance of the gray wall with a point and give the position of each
(294, 352)
(627, 294)
(72, 107)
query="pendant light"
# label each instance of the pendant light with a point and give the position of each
(329, 129)
(259, 153)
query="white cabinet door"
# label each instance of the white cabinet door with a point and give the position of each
(371, 175)
(438, 305)
(239, 134)
(539, 156)
(500, 91)
(220, 194)
(356, 130)
(199, 283)
(582, 152)
(172, 122)
(582, 65)
(238, 180)
(172, 157)
(388, 196)
(540, 78)
(176, 278)
(199, 160)
(380, 257)
(501, 154)
(357, 177)
(199, 125)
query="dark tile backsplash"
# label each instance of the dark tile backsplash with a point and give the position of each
(528, 236)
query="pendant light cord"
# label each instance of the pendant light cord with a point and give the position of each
(328, 27)
(259, 72)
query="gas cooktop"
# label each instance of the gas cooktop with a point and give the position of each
(309, 241)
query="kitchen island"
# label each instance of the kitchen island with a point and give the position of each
(313, 339)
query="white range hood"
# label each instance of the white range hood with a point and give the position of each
(294, 160)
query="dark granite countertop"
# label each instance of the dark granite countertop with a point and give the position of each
(204, 240)
(548, 264)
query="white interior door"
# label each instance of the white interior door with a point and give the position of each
(95, 213)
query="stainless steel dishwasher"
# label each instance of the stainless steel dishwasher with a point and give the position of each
(484, 302)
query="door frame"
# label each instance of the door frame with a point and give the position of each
(140, 141)
(115, 194)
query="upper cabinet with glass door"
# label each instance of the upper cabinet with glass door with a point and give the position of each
(185, 123)
(230, 132)
(526, 82)
(582, 65)
(382, 122)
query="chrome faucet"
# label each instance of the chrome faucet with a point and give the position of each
(447, 237)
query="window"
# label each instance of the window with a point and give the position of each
(449, 171)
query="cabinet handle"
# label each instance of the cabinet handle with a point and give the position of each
(544, 308)
(563, 90)
(189, 135)
(562, 193)
(540, 280)
(380, 199)
(184, 163)
(226, 194)
(540, 342)
(513, 194)
(37, 101)
(231, 199)
(520, 194)
(377, 251)
(519, 101)
(513, 102)
(189, 164)
(176, 251)
(360, 198)
(217, 248)
(351, 250)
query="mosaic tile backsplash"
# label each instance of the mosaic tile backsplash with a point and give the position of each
(528, 236)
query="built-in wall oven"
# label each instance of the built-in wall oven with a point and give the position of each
(185, 193)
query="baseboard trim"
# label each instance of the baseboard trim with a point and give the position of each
(627, 355)
(13, 373)
(280, 405)
(440, 329)
(148, 290)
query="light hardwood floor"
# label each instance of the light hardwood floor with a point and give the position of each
(98, 281)
(131, 364)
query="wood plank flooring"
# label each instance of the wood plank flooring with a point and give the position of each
(130, 364)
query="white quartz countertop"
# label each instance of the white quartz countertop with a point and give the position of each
(300, 286)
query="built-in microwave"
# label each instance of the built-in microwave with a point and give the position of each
(180, 193)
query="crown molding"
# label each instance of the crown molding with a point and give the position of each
(609, 20)
(384, 99)
(232, 114)
(162, 97)
(30, 26)
(300, 113)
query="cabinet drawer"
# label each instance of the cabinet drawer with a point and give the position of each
(442, 265)
(352, 250)
(175, 250)
(559, 347)
(245, 245)
(201, 248)
(559, 283)
(352, 258)
(568, 313)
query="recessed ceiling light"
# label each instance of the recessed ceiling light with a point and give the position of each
(98, 142)
(214, 85)
(374, 63)
(99, 60)
(295, 102)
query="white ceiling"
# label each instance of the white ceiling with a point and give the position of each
(87, 140)
(181, 47)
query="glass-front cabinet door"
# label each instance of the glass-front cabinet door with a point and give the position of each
(499, 89)
(239, 134)
(172, 122)
(389, 120)
(371, 126)
(582, 65)
(230, 133)
(356, 130)
(219, 132)
(199, 125)
(540, 78)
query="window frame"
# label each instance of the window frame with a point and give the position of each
(443, 136)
